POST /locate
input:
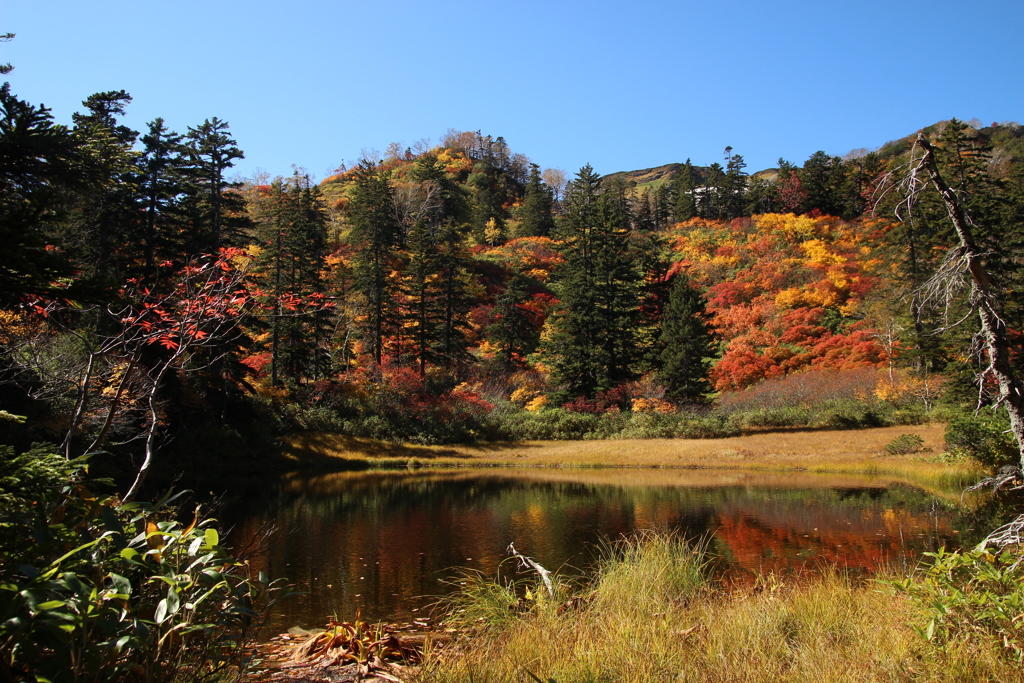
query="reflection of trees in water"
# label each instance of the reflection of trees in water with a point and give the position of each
(379, 539)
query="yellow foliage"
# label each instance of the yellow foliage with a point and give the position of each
(117, 372)
(652, 405)
(798, 297)
(819, 255)
(537, 403)
(493, 232)
(15, 325)
(838, 279)
(467, 387)
(788, 224)
(523, 395)
(902, 386)
(454, 162)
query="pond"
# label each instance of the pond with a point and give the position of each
(388, 543)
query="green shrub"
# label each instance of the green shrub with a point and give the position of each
(100, 591)
(983, 437)
(851, 414)
(708, 427)
(774, 418)
(971, 592)
(904, 444)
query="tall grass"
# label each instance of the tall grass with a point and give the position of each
(651, 614)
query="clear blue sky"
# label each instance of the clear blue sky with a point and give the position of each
(618, 85)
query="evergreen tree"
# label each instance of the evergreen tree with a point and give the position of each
(161, 177)
(687, 344)
(709, 201)
(375, 230)
(216, 205)
(592, 336)
(293, 234)
(40, 164)
(822, 178)
(513, 331)
(535, 216)
(862, 175)
(452, 267)
(488, 214)
(734, 185)
(425, 315)
(684, 193)
(762, 197)
(97, 228)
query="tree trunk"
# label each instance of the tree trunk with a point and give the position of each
(993, 328)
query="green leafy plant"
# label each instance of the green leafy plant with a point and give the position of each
(108, 591)
(969, 593)
(985, 438)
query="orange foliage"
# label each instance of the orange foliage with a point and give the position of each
(782, 292)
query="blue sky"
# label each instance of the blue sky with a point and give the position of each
(620, 86)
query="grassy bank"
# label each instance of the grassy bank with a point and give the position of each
(651, 615)
(841, 452)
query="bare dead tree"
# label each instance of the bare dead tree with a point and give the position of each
(962, 276)
(961, 271)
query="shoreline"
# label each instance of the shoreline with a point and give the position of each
(815, 451)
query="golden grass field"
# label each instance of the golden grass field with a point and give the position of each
(838, 452)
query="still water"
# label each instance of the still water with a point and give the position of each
(388, 543)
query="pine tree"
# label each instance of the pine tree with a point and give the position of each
(98, 225)
(734, 186)
(684, 193)
(216, 206)
(292, 230)
(592, 336)
(41, 163)
(535, 215)
(161, 181)
(454, 299)
(709, 202)
(822, 178)
(513, 331)
(425, 315)
(375, 230)
(688, 344)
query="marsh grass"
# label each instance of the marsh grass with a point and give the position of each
(652, 613)
(821, 451)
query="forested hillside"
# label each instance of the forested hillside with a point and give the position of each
(459, 292)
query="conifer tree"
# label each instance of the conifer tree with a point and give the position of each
(512, 332)
(454, 299)
(687, 344)
(535, 215)
(375, 230)
(293, 234)
(216, 206)
(425, 314)
(592, 335)
(822, 178)
(98, 225)
(734, 185)
(709, 203)
(40, 164)
(161, 181)
(684, 193)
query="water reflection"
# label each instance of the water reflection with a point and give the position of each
(384, 542)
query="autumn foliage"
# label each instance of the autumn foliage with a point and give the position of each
(783, 292)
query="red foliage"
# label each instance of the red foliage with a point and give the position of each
(613, 400)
